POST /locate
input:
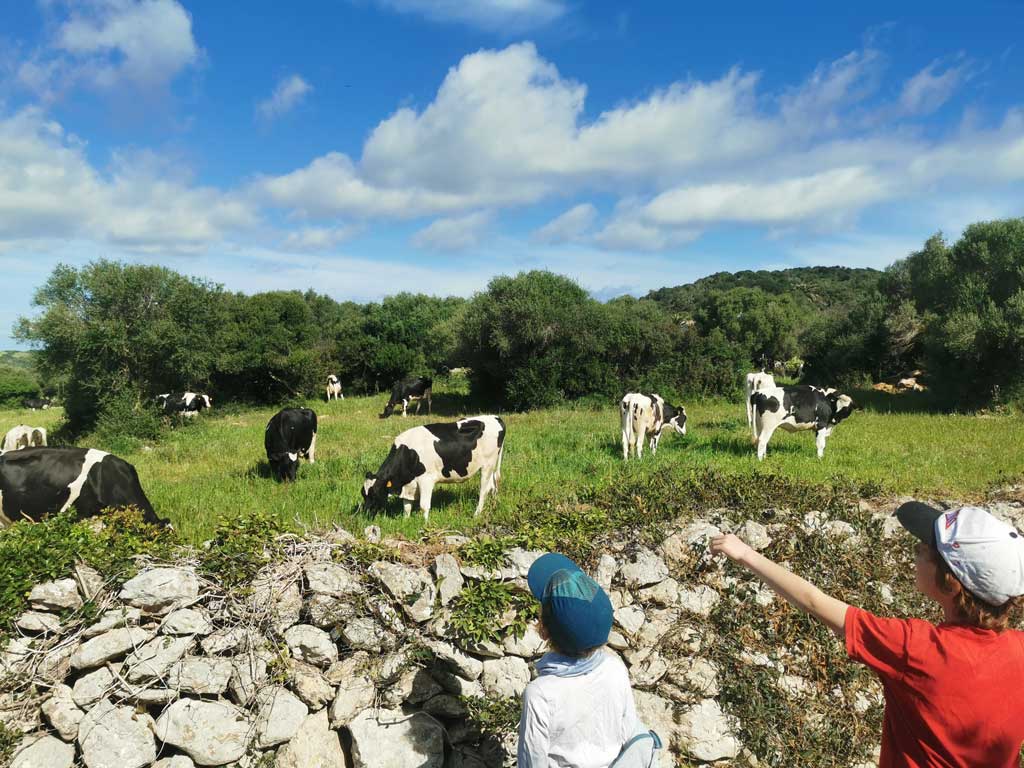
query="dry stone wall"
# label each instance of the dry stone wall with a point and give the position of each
(325, 660)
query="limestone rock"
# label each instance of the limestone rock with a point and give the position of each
(392, 739)
(155, 657)
(160, 590)
(690, 545)
(695, 674)
(116, 737)
(357, 664)
(186, 621)
(178, 761)
(707, 734)
(57, 595)
(505, 678)
(465, 666)
(529, 645)
(44, 752)
(659, 623)
(279, 715)
(210, 732)
(363, 634)
(647, 667)
(108, 646)
(664, 593)
(453, 683)
(607, 567)
(90, 581)
(200, 676)
(315, 745)
(521, 559)
(630, 618)
(411, 587)
(657, 713)
(449, 577)
(755, 534)
(445, 705)
(312, 645)
(310, 685)
(115, 618)
(227, 640)
(248, 673)
(332, 579)
(700, 600)
(16, 656)
(62, 713)
(645, 569)
(92, 687)
(38, 621)
(354, 695)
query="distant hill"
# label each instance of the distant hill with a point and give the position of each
(820, 288)
(17, 359)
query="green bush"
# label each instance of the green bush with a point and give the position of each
(477, 606)
(15, 385)
(241, 545)
(123, 422)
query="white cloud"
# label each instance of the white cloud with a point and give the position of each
(568, 227)
(817, 103)
(929, 89)
(287, 94)
(454, 234)
(494, 15)
(630, 232)
(48, 189)
(318, 238)
(113, 43)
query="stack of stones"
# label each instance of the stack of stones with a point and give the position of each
(321, 661)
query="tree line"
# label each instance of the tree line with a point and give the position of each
(114, 335)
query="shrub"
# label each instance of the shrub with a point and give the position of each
(15, 385)
(240, 547)
(476, 609)
(123, 421)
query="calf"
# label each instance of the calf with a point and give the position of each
(404, 392)
(755, 381)
(35, 482)
(422, 457)
(187, 404)
(290, 433)
(334, 388)
(647, 416)
(23, 436)
(797, 408)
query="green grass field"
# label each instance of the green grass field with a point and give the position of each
(217, 465)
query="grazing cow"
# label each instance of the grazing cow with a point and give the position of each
(290, 433)
(23, 436)
(35, 482)
(187, 404)
(422, 457)
(797, 408)
(755, 381)
(34, 403)
(334, 388)
(417, 388)
(647, 416)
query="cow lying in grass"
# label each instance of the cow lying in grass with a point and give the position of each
(797, 408)
(23, 436)
(647, 416)
(422, 457)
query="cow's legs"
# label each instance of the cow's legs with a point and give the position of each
(655, 438)
(486, 484)
(430, 408)
(765, 432)
(426, 491)
(819, 440)
(311, 453)
(625, 446)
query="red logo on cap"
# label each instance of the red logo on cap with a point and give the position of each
(951, 518)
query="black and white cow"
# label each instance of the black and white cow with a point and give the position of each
(35, 482)
(37, 403)
(24, 436)
(334, 388)
(449, 452)
(290, 433)
(417, 388)
(186, 404)
(645, 416)
(797, 408)
(755, 381)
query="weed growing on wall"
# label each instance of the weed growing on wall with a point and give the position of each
(492, 611)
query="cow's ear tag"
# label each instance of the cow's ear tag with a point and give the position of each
(389, 483)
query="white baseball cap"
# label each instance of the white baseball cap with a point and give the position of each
(983, 552)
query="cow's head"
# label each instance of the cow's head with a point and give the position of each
(400, 468)
(842, 405)
(285, 465)
(675, 418)
(388, 410)
(205, 401)
(375, 491)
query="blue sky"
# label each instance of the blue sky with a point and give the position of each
(363, 147)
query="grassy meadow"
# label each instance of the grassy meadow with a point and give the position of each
(217, 464)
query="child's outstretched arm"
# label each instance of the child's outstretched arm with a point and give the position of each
(797, 591)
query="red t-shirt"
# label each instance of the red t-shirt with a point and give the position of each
(954, 695)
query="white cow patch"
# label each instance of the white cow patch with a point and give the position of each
(92, 457)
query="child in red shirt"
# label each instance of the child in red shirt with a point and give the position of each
(953, 691)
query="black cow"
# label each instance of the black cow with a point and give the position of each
(35, 482)
(422, 457)
(290, 433)
(417, 388)
(40, 403)
(186, 404)
(797, 408)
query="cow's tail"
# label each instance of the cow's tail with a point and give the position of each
(637, 418)
(627, 420)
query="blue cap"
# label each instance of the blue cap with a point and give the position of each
(577, 612)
